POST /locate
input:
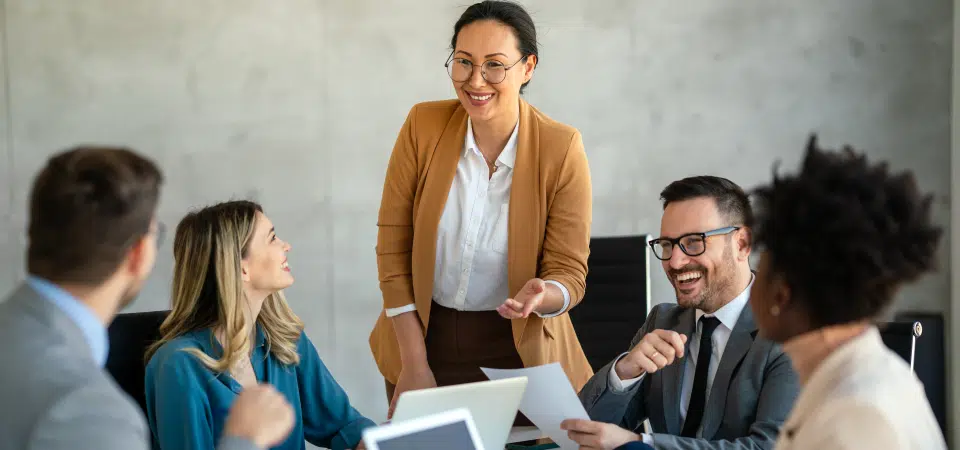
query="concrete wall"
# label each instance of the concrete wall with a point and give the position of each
(953, 328)
(297, 104)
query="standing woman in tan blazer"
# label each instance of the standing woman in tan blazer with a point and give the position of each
(484, 225)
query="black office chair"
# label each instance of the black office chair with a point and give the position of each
(617, 297)
(130, 335)
(901, 337)
(927, 360)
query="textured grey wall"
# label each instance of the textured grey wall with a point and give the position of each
(297, 104)
(953, 326)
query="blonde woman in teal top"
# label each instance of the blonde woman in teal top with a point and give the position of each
(229, 328)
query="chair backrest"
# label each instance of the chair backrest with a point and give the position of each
(617, 297)
(930, 360)
(901, 337)
(130, 335)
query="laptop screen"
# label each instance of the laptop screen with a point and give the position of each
(450, 436)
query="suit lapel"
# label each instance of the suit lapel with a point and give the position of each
(523, 235)
(672, 375)
(737, 346)
(441, 169)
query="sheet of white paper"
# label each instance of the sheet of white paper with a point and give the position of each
(548, 400)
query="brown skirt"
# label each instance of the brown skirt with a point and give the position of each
(459, 343)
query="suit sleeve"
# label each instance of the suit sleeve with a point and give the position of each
(395, 220)
(777, 395)
(93, 416)
(626, 408)
(566, 242)
(236, 443)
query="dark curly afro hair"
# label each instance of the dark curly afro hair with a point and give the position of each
(845, 233)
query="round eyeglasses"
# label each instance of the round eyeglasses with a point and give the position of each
(461, 69)
(693, 244)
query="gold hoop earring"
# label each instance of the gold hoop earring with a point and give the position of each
(774, 310)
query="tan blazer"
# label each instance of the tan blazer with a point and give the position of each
(548, 237)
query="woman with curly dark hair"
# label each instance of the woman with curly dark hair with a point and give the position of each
(837, 241)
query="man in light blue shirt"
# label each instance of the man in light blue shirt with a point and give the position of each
(93, 239)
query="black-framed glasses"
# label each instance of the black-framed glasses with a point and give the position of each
(693, 244)
(461, 69)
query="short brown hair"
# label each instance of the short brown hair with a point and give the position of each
(88, 206)
(732, 202)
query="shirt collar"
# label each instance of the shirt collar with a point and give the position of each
(837, 366)
(93, 329)
(508, 156)
(729, 314)
(811, 355)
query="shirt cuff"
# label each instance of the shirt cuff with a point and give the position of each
(647, 439)
(614, 380)
(393, 312)
(566, 300)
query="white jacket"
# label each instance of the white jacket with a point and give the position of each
(862, 396)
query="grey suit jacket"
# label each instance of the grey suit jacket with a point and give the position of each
(752, 393)
(53, 395)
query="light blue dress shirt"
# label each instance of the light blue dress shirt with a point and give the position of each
(93, 329)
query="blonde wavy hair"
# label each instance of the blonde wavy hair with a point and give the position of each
(208, 289)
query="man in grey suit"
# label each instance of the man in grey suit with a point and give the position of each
(92, 243)
(697, 369)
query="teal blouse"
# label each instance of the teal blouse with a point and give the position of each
(187, 403)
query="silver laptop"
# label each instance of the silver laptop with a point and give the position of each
(448, 430)
(493, 405)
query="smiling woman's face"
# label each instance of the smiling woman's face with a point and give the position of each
(265, 268)
(495, 44)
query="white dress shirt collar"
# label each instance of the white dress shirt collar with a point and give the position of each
(508, 156)
(730, 313)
